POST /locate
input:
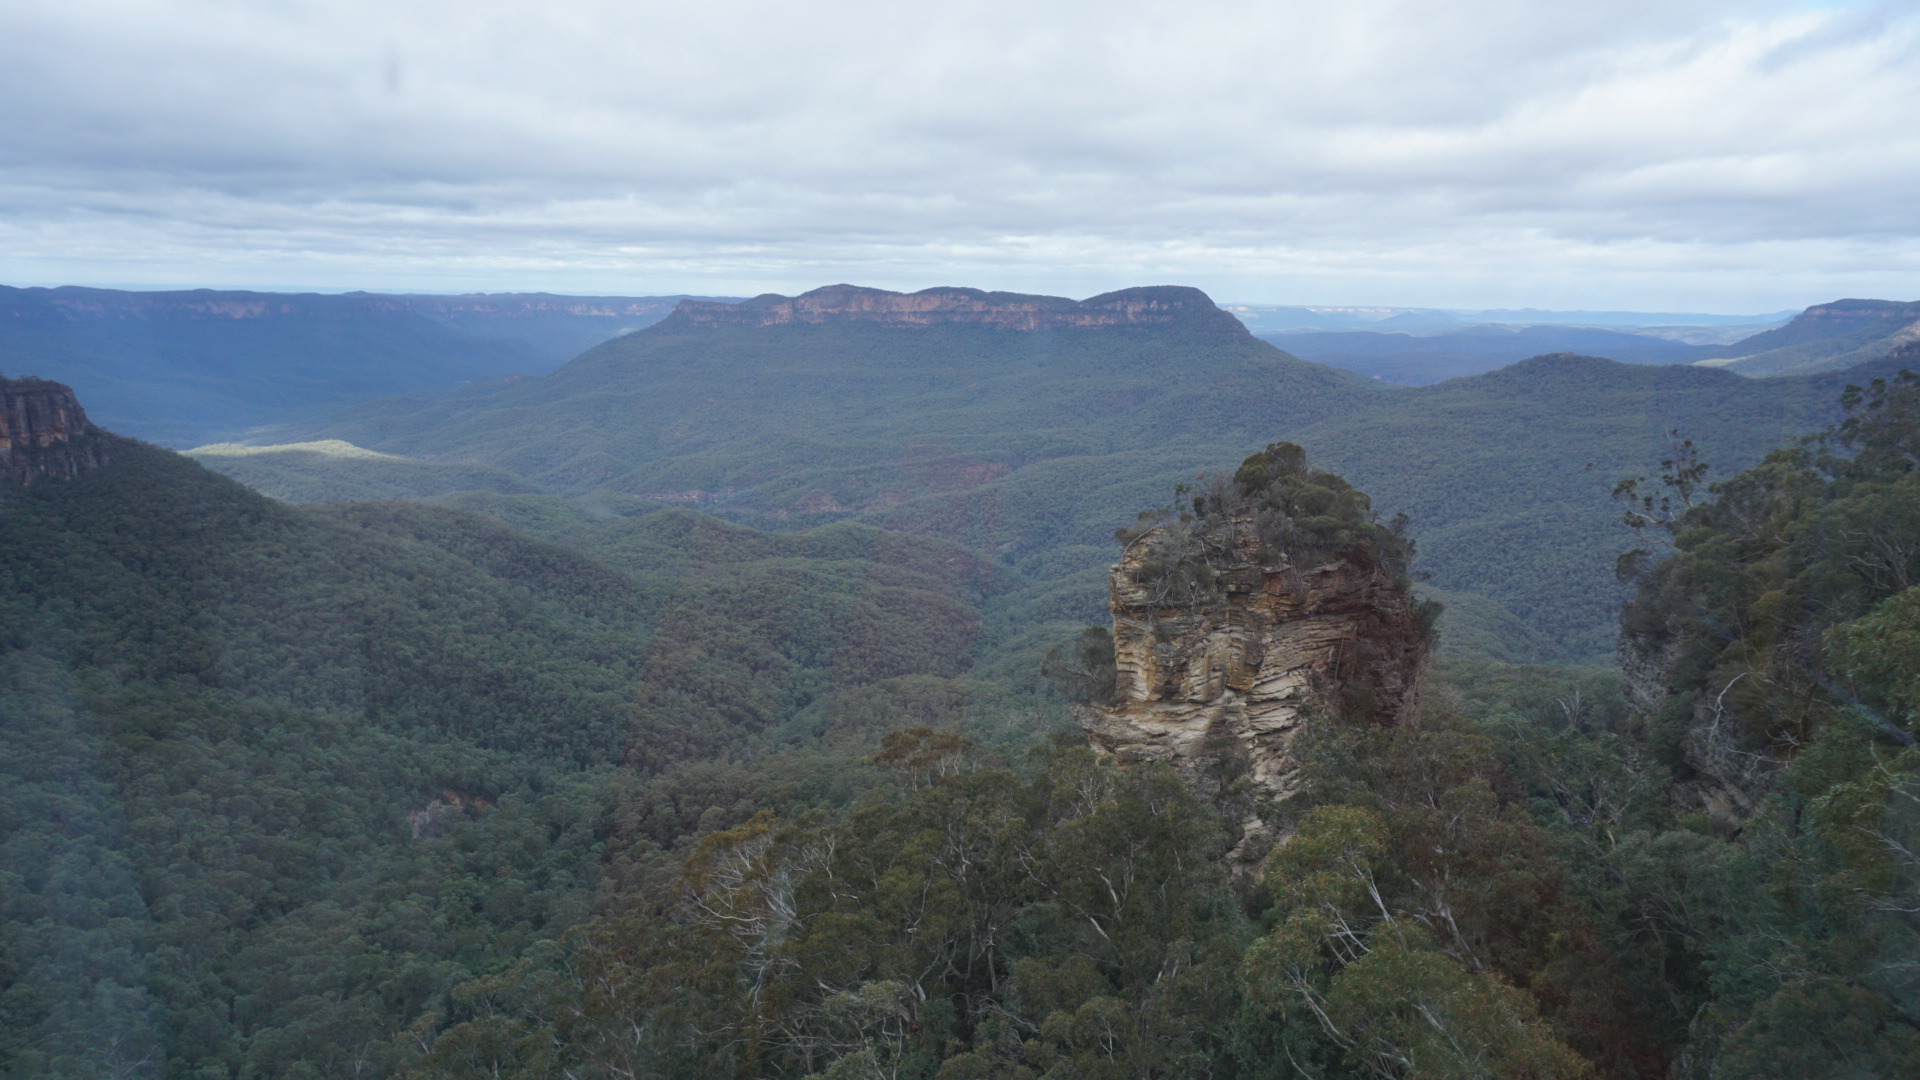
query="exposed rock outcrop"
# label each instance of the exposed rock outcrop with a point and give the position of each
(1222, 680)
(437, 817)
(44, 432)
(1156, 306)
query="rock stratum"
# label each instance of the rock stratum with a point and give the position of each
(1222, 681)
(44, 432)
(1155, 306)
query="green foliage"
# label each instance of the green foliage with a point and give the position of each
(1879, 653)
(970, 924)
(1472, 627)
(1083, 669)
(1311, 513)
(1814, 536)
(1423, 923)
(1794, 944)
(1744, 846)
(277, 780)
(294, 792)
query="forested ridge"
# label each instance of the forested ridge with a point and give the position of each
(1035, 445)
(522, 786)
(278, 779)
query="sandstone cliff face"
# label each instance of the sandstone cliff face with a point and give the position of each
(1159, 306)
(1224, 689)
(1849, 312)
(44, 432)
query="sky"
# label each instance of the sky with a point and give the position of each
(1677, 155)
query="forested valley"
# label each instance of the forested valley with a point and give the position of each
(515, 785)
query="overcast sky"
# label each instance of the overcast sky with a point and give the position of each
(1648, 154)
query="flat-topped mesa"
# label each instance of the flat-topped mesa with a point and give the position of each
(1895, 312)
(44, 432)
(1276, 601)
(1164, 305)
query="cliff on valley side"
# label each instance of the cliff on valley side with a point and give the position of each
(44, 432)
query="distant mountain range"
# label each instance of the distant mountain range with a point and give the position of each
(929, 413)
(1415, 348)
(1015, 423)
(183, 368)
(187, 368)
(1273, 318)
(1420, 360)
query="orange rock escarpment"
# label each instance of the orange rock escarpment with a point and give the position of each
(44, 432)
(1153, 306)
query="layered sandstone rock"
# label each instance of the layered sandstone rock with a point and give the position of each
(1158, 306)
(1223, 689)
(44, 432)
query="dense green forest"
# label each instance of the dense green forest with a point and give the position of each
(1535, 879)
(521, 785)
(277, 779)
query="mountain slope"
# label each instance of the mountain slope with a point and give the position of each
(1506, 475)
(1032, 443)
(855, 414)
(1825, 337)
(274, 780)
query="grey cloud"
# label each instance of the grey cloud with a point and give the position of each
(1727, 154)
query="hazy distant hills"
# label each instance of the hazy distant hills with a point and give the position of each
(1411, 360)
(1027, 425)
(1275, 318)
(183, 368)
(1036, 444)
(1416, 348)
(192, 367)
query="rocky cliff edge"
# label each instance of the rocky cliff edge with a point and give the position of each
(1167, 305)
(44, 432)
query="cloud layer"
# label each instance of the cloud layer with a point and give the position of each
(1676, 154)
